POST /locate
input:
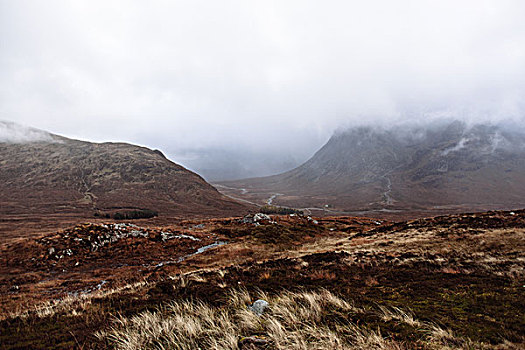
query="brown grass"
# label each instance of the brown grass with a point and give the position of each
(72, 305)
(306, 320)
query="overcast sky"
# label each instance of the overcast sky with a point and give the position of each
(255, 75)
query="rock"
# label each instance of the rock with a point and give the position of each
(261, 217)
(248, 219)
(169, 235)
(309, 218)
(51, 251)
(259, 306)
(252, 343)
(255, 219)
(165, 236)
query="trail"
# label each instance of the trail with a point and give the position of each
(269, 201)
(243, 191)
(308, 209)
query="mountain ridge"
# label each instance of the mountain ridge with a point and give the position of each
(403, 168)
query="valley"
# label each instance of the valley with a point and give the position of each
(374, 243)
(262, 175)
(401, 172)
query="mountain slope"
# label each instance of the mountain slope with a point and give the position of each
(49, 175)
(431, 167)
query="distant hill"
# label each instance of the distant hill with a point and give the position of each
(437, 166)
(44, 174)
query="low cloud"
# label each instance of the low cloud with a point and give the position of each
(273, 76)
(16, 133)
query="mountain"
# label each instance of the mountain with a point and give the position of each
(437, 166)
(44, 175)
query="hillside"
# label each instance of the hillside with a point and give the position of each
(447, 166)
(47, 179)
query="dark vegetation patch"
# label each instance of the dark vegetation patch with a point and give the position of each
(127, 214)
(273, 209)
(135, 214)
(274, 234)
(470, 222)
(99, 214)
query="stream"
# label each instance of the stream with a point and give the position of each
(388, 200)
(270, 200)
(197, 252)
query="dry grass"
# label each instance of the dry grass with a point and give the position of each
(308, 320)
(437, 337)
(394, 313)
(72, 305)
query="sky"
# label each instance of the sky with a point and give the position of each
(202, 80)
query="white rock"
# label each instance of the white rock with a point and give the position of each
(261, 217)
(259, 306)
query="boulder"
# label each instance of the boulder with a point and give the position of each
(259, 306)
(256, 219)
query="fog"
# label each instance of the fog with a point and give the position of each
(255, 85)
(16, 133)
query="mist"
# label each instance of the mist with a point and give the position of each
(256, 85)
(15, 133)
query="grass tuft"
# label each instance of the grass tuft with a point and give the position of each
(304, 320)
